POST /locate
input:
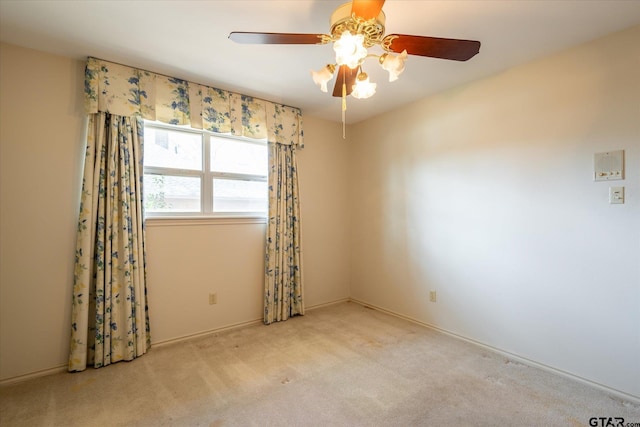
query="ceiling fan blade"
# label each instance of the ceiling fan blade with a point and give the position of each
(434, 47)
(276, 38)
(346, 75)
(366, 9)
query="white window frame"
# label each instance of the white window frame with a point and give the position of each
(206, 177)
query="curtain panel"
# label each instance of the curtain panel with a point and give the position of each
(109, 318)
(283, 291)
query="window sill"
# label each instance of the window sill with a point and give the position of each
(167, 221)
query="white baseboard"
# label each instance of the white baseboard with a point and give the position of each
(206, 332)
(236, 325)
(524, 360)
(31, 375)
(327, 304)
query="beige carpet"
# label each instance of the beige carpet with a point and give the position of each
(342, 365)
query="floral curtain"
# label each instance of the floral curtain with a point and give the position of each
(283, 293)
(109, 312)
(127, 91)
(283, 259)
(110, 319)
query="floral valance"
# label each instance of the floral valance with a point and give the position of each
(127, 91)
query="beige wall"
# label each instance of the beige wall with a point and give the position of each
(484, 193)
(41, 128)
(187, 262)
(323, 172)
(41, 151)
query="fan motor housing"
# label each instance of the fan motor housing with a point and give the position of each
(342, 20)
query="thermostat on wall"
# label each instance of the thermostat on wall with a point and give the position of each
(608, 166)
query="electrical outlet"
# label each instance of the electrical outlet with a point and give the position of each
(432, 296)
(616, 195)
(213, 299)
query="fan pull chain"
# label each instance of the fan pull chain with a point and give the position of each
(344, 108)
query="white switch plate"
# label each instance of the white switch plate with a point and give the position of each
(616, 195)
(608, 166)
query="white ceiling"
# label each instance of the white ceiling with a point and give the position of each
(189, 39)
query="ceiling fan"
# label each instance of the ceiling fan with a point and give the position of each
(355, 27)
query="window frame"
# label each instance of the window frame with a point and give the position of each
(206, 176)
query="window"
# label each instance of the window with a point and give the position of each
(189, 172)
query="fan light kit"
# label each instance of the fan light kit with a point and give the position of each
(355, 27)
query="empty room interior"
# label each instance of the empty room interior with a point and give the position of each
(461, 246)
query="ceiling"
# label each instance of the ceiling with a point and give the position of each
(189, 40)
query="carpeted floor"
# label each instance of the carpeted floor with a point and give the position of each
(342, 365)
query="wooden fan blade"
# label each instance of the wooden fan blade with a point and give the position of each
(434, 47)
(366, 9)
(275, 38)
(345, 75)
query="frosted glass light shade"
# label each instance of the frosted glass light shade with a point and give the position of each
(322, 77)
(349, 49)
(394, 64)
(363, 88)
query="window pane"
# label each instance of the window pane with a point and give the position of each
(232, 195)
(165, 193)
(172, 149)
(234, 156)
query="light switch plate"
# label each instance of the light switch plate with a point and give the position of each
(608, 166)
(616, 195)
